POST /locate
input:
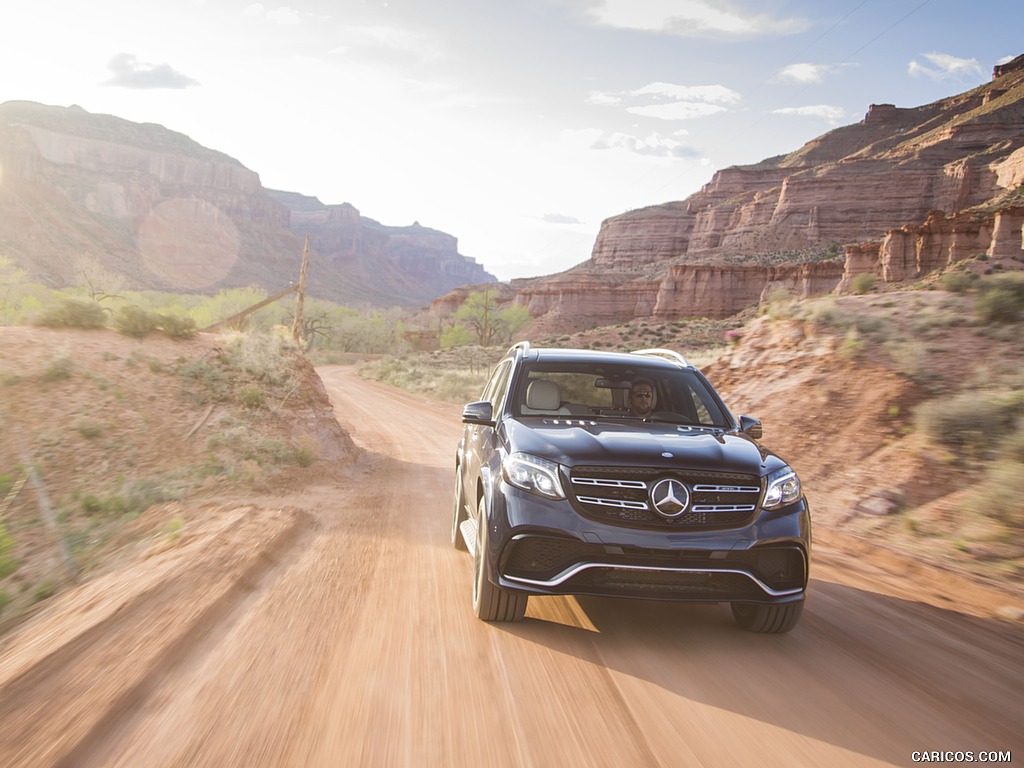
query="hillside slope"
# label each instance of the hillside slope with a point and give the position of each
(105, 436)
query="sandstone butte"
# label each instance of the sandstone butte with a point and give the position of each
(901, 193)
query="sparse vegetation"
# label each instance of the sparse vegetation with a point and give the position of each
(135, 321)
(8, 564)
(865, 283)
(59, 368)
(73, 313)
(998, 302)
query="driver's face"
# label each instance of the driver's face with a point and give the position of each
(640, 399)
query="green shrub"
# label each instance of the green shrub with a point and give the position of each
(177, 327)
(132, 498)
(1000, 495)
(73, 313)
(251, 397)
(8, 564)
(265, 357)
(59, 368)
(997, 305)
(89, 428)
(971, 421)
(1012, 448)
(852, 345)
(45, 591)
(214, 381)
(135, 321)
(1000, 298)
(957, 282)
(864, 284)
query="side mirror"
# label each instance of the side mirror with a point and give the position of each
(481, 412)
(750, 426)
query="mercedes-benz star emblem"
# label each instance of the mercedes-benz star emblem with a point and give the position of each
(670, 497)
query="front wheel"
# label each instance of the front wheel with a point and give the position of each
(491, 602)
(769, 619)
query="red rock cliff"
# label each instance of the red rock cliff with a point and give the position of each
(903, 192)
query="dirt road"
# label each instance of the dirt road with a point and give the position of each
(331, 626)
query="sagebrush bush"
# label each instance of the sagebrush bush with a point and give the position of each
(997, 305)
(251, 397)
(177, 327)
(957, 282)
(73, 313)
(59, 368)
(970, 420)
(864, 284)
(214, 382)
(1000, 495)
(134, 321)
(8, 564)
(266, 357)
(133, 497)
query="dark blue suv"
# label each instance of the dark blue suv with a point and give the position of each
(624, 475)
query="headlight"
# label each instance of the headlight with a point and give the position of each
(533, 474)
(783, 488)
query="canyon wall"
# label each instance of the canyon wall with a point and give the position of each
(168, 214)
(902, 193)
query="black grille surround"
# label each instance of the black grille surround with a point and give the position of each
(572, 566)
(621, 496)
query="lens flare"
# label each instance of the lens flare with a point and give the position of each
(189, 243)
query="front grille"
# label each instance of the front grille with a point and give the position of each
(545, 559)
(621, 495)
(666, 584)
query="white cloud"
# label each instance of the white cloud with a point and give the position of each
(804, 73)
(677, 110)
(692, 18)
(283, 15)
(706, 93)
(944, 66)
(832, 115)
(670, 101)
(652, 145)
(128, 72)
(559, 218)
(603, 99)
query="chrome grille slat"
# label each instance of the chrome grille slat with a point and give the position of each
(609, 483)
(620, 503)
(620, 495)
(723, 508)
(726, 489)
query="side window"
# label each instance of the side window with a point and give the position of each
(706, 411)
(495, 389)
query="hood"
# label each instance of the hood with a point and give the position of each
(641, 444)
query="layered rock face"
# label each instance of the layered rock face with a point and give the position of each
(169, 214)
(901, 193)
(366, 261)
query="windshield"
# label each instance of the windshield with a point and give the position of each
(588, 390)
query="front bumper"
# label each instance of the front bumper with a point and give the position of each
(544, 547)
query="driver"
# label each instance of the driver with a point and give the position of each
(641, 398)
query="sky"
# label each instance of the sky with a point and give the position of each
(517, 126)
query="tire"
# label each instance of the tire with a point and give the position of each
(491, 602)
(769, 619)
(458, 512)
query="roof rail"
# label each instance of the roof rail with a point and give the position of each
(523, 345)
(668, 354)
